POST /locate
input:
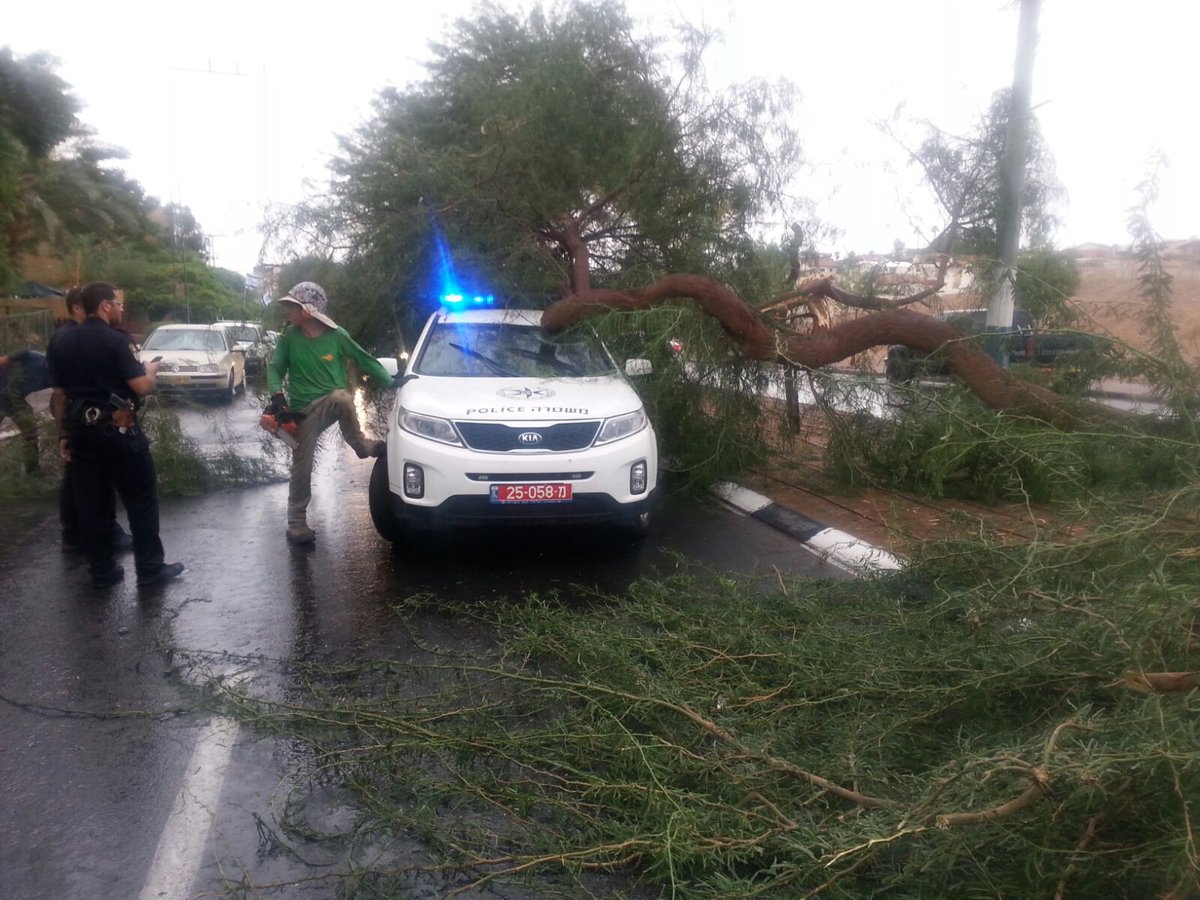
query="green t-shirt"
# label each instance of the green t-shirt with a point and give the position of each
(315, 366)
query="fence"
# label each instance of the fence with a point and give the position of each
(19, 331)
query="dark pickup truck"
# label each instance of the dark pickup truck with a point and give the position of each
(1025, 345)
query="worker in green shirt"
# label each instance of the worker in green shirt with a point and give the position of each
(311, 356)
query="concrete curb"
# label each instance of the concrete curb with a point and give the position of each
(835, 547)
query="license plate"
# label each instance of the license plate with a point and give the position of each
(546, 492)
(176, 379)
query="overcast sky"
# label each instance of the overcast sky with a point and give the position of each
(228, 107)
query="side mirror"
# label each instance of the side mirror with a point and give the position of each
(390, 363)
(635, 367)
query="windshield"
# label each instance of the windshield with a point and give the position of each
(243, 333)
(491, 349)
(185, 339)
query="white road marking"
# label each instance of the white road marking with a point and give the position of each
(847, 552)
(183, 841)
(740, 498)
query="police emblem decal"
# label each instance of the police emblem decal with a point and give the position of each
(525, 393)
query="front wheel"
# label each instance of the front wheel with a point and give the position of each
(226, 395)
(379, 501)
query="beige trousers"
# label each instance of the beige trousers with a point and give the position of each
(336, 406)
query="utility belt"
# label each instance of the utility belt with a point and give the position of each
(116, 411)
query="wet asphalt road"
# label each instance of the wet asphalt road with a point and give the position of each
(116, 782)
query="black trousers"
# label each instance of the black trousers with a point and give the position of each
(68, 515)
(104, 460)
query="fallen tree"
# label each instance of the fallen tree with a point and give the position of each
(754, 336)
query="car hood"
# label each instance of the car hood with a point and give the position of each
(519, 399)
(184, 357)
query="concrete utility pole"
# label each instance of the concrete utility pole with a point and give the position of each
(1012, 182)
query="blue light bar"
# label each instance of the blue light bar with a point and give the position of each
(451, 299)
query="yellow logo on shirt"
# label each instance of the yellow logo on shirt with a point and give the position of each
(328, 357)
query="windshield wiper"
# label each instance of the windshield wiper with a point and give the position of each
(552, 361)
(487, 361)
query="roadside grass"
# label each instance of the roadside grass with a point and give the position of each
(993, 721)
(183, 467)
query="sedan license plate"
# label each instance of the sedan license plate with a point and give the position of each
(546, 492)
(176, 379)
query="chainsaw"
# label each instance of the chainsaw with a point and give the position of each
(280, 421)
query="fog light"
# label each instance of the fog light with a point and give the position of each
(637, 477)
(414, 480)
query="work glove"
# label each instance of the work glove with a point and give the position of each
(277, 405)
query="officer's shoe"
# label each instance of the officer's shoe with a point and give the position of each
(112, 576)
(162, 574)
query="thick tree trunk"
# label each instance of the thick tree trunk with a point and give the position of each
(755, 338)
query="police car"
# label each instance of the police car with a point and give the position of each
(497, 421)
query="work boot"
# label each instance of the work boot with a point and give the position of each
(162, 574)
(300, 533)
(109, 578)
(365, 447)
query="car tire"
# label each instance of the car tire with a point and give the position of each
(225, 395)
(379, 501)
(241, 385)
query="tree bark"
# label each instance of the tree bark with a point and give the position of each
(754, 338)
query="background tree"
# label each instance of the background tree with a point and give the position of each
(554, 153)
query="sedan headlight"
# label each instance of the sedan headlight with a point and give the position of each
(430, 427)
(621, 427)
(209, 367)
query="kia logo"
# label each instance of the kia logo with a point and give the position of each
(529, 437)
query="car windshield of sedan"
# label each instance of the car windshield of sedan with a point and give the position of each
(185, 339)
(244, 333)
(489, 350)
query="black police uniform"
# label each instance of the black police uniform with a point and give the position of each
(68, 518)
(93, 364)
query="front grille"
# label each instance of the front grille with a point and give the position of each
(499, 438)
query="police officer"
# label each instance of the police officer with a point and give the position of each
(98, 386)
(67, 517)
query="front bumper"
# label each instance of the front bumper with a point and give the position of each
(191, 383)
(584, 509)
(457, 482)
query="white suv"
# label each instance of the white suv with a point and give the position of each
(497, 421)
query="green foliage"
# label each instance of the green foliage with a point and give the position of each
(1046, 282)
(163, 284)
(184, 469)
(964, 174)
(526, 124)
(37, 109)
(949, 444)
(703, 738)
(702, 401)
(1176, 382)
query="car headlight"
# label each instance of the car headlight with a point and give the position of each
(621, 427)
(428, 427)
(209, 367)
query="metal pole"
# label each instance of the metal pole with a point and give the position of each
(1012, 183)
